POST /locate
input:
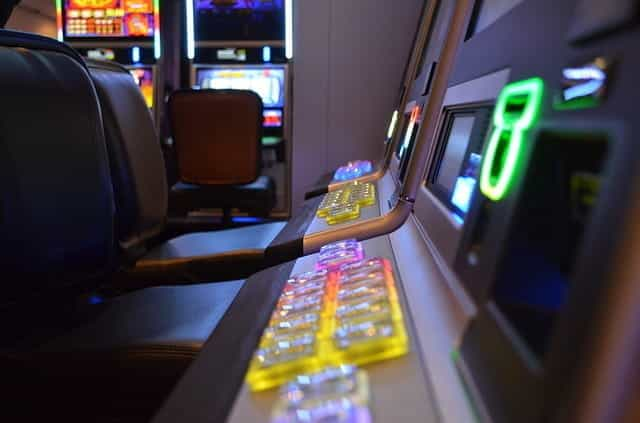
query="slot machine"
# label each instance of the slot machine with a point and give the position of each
(123, 31)
(247, 45)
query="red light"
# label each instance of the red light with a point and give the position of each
(272, 118)
(415, 114)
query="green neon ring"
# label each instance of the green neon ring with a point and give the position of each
(495, 188)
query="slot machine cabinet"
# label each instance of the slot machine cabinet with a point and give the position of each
(248, 45)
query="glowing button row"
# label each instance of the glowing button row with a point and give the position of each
(353, 170)
(330, 318)
(344, 204)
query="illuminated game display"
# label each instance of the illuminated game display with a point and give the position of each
(110, 18)
(466, 183)
(123, 31)
(245, 45)
(268, 83)
(144, 78)
(239, 19)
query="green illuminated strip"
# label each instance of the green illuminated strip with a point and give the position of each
(269, 141)
(509, 128)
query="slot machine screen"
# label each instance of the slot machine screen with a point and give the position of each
(109, 18)
(144, 78)
(457, 168)
(268, 83)
(239, 20)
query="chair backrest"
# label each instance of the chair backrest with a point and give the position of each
(56, 204)
(135, 156)
(217, 135)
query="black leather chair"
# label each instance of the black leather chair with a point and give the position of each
(65, 352)
(217, 139)
(141, 191)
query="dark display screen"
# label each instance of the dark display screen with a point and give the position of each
(560, 190)
(239, 20)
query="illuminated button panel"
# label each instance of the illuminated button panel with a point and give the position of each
(333, 256)
(345, 204)
(353, 170)
(334, 394)
(344, 313)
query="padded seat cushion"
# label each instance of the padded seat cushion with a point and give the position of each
(119, 357)
(258, 196)
(151, 321)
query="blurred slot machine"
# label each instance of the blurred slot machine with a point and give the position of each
(123, 31)
(144, 78)
(246, 45)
